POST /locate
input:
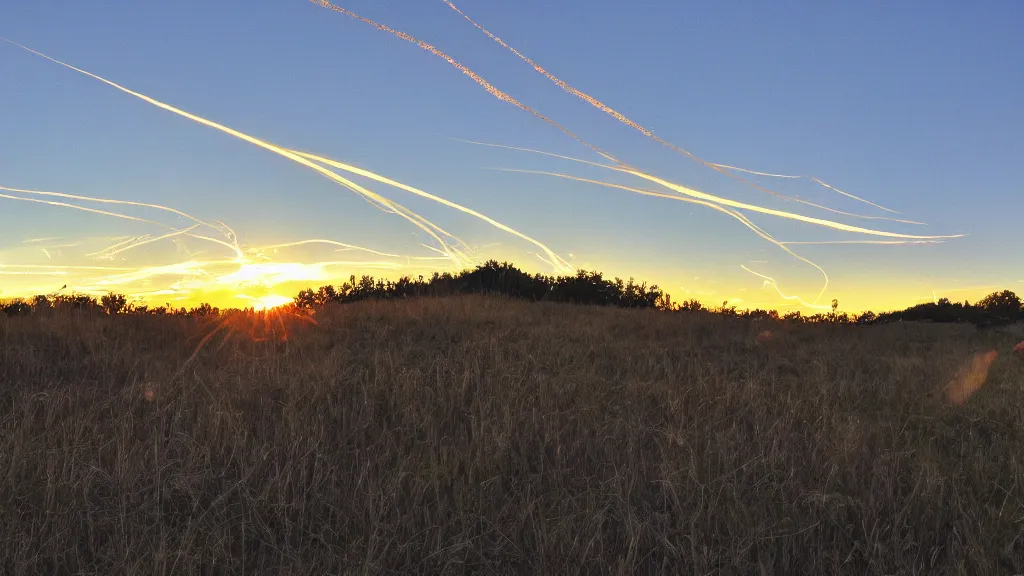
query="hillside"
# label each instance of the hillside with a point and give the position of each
(482, 434)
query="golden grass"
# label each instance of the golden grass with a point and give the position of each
(490, 436)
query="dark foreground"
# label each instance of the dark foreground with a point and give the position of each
(488, 436)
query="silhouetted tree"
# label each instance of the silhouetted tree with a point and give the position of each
(114, 303)
(865, 318)
(78, 302)
(691, 305)
(203, 309)
(1002, 307)
(16, 308)
(41, 303)
(493, 277)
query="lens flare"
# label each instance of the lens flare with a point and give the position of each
(970, 378)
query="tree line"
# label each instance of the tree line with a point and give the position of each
(583, 288)
(111, 304)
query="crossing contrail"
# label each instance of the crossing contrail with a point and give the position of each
(723, 168)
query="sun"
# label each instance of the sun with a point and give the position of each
(269, 301)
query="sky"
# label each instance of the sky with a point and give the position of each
(915, 110)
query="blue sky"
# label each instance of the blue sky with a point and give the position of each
(916, 109)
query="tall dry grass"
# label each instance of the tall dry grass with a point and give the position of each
(477, 435)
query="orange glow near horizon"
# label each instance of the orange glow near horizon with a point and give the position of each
(268, 302)
(228, 284)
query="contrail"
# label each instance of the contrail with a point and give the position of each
(769, 281)
(121, 244)
(114, 214)
(885, 242)
(740, 205)
(108, 201)
(598, 164)
(733, 213)
(509, 99)
(108, 213)
(718, 203)
(779, 213)
(344, 246)
(30, 270)
(145, 240)
(557, 261)
(116, 249)
(491, 89)
(723, 168)
(77, 207)
(448, 243)
(429, 228)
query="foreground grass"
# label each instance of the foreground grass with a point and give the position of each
(483, 435)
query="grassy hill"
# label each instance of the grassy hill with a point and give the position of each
(484, 435)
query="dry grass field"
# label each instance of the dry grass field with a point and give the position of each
(482, 435)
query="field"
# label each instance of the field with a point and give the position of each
(482, 435)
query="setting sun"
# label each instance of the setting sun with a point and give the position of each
(267, 302)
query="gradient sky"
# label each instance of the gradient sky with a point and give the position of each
(915, 109)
